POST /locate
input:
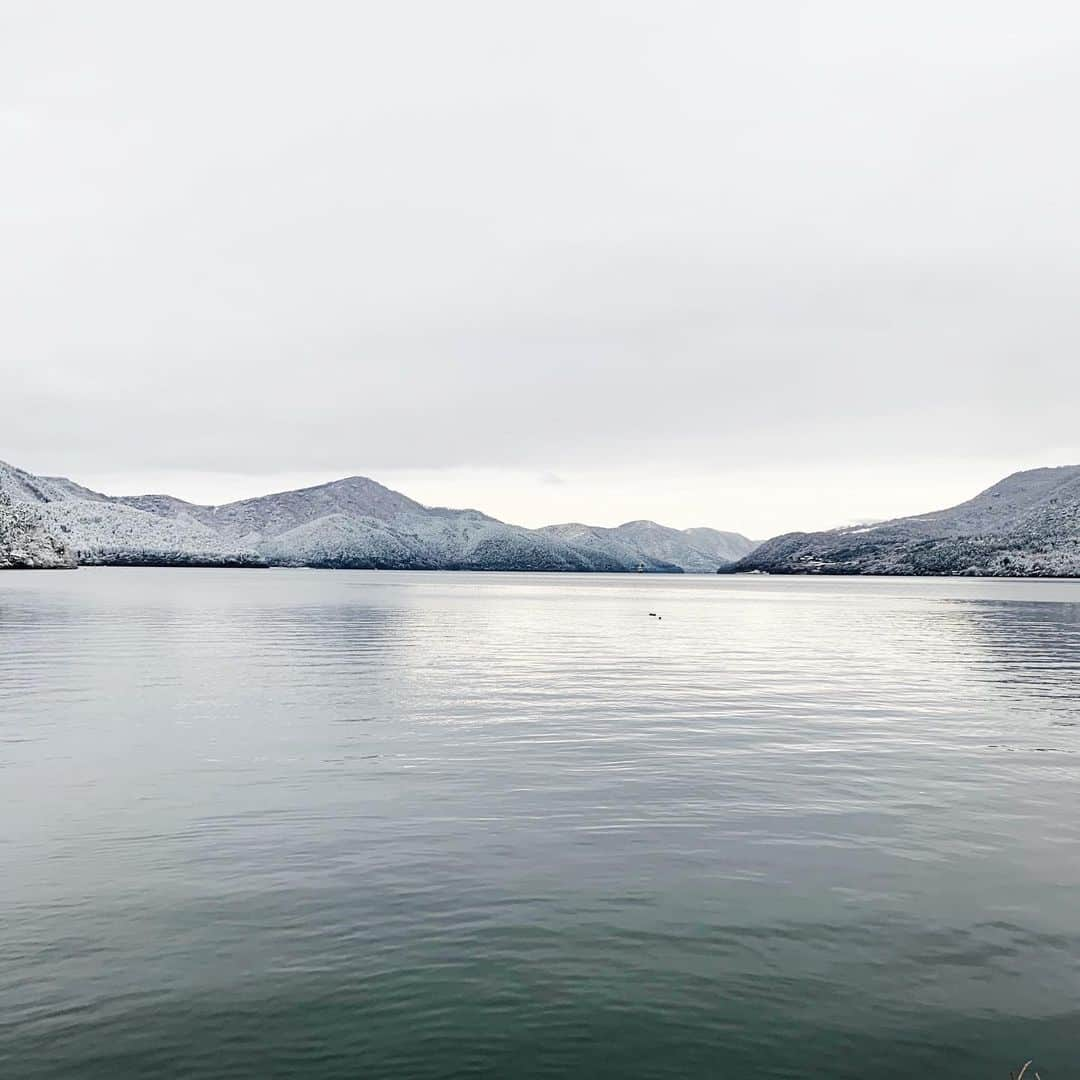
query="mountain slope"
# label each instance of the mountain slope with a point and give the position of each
(349, 523)
(1025, 525)
(24, 542)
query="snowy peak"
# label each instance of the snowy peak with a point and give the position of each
(271, 515)
(356, 496)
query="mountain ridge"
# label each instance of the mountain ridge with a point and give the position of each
(351, 522)
(697, 550)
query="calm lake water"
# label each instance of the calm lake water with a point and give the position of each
(355, 824)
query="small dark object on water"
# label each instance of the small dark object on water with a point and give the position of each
(653, 614)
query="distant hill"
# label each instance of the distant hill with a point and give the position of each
(658, 547)
(349, 523)
(1027, 525)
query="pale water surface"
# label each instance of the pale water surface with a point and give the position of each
(351, 824)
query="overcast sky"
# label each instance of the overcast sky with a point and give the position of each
(760, 266)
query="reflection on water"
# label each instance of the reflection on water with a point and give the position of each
(1033, 647)
(370, 824)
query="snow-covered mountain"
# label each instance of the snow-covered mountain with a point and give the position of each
(354, 522)
(658, 547)
(101, 530)
(25, 543)
(1027, 525)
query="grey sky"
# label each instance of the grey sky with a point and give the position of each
(759, 266)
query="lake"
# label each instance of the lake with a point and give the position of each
(368, 824)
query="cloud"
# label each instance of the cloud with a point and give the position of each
(712, 239)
